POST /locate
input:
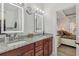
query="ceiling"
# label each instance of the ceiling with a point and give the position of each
(70, 11)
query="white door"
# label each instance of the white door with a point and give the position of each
(77, 29)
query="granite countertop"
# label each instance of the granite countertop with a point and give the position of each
(23, 42)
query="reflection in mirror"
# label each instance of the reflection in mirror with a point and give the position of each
(12, 18)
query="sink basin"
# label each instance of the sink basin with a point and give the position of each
(16, 43)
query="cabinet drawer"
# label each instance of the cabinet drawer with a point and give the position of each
(39, 43)
(39, 53)
(38, 48)
(26, 48)
(29, 53)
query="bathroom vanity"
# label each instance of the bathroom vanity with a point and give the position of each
(40, 45)
(31, 45)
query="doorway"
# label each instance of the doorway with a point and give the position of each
(66, 32)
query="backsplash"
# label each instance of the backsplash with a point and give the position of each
(2, 38)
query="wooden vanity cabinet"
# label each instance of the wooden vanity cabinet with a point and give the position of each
(39, 48)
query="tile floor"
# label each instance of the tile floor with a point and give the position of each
(65, 50)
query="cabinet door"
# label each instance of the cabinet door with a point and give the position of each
(29, 53)
(46, 51)
(50, 46)
(39, 48)
(46, 47)
(39, 53)
(27, 50)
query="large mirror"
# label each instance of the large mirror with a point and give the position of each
(12, 18)
(39, 23)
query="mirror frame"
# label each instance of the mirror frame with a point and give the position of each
(2, 19)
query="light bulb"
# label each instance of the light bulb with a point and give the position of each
(37, 8)
(42, 11)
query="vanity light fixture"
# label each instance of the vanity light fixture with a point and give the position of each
(39, 10)
(29, 10)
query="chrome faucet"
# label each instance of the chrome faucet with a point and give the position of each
(12, 37)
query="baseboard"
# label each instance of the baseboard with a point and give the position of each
(68, 45)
